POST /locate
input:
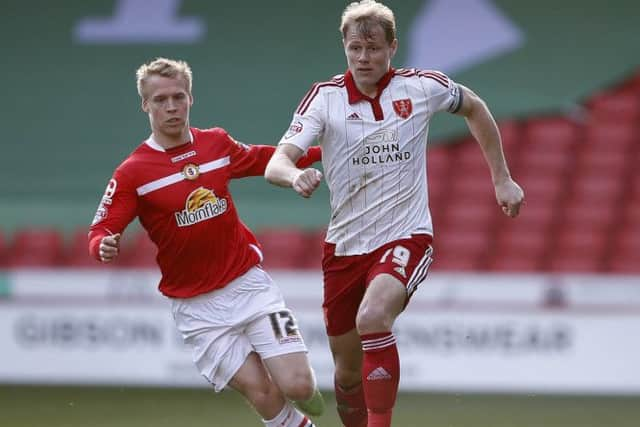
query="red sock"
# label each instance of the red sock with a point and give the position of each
(351, 406)
(380, 376)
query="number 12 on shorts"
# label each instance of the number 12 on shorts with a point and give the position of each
(283, 324)
(401, 257)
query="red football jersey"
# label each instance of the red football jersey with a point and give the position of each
(182, 199)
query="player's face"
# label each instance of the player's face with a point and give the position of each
(168, 103)
(368, 57)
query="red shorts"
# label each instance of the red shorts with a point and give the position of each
(346, 277)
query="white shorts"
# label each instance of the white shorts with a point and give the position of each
(223, 326)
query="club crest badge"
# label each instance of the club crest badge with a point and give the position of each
(403, 107)
(191, 171)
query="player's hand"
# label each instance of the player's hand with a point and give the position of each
(510, 197)
(307, 181)
(109, 247)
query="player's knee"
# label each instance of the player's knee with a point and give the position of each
(373, 318)
(299, 385)
(261, 394)
(348, 378)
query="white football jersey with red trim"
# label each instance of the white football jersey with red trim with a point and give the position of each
(374, 153)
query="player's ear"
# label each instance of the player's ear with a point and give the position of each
(394, 47)
(144, 105)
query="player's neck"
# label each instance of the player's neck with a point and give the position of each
(170, 141)
(370, 91)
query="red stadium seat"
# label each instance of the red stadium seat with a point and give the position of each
(631, 85)
(460, 250)
(595, 159)
(36, 247)
(3, 249)
(511, 134)
(438, 161)
(515, 262)
(533, 218)
(579, 250)
(541, 189)
(544, 161)
(315, 249)
(614, 106)
(475, 214)
(617, 136)
(284, 248)
(603, 187)
(625, 250)
(525, 242)
(77, 254)
(590, 213)
(551, 133)
(138, 251)
(471, 187)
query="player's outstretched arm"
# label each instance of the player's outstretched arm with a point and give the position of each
(483, 127)
(281, 170)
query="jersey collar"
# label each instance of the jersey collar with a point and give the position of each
(354, 93)
(153, 144)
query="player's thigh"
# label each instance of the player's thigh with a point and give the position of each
(383, 301)
(251, 377)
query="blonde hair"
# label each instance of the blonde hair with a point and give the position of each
(366, 14)
(163, 67)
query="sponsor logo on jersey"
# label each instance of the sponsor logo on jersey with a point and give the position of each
(191, 171)
(295, 128)
(183, 156)
(403, 107)
(354, 116)
(381, 147)
(201, 205)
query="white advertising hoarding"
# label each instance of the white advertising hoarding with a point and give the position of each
(81, 327)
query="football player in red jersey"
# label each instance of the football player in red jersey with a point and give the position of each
(225, 305)
(372, 124)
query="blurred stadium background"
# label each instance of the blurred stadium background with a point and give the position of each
(524, 322)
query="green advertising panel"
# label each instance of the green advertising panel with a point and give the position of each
(70, 111)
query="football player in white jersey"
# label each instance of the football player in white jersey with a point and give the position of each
(372, 124)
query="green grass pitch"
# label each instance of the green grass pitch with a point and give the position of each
(47, 406)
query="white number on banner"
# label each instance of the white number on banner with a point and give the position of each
(141, 21)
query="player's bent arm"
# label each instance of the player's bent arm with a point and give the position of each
(483, 127)
(281, 169)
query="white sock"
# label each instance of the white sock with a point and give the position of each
(289, 417)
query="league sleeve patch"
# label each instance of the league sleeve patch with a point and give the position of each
(294, 129)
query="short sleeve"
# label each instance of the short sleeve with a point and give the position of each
(443, 93)
(308, 121)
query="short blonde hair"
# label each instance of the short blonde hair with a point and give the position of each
(366, 14)
(163, 67)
